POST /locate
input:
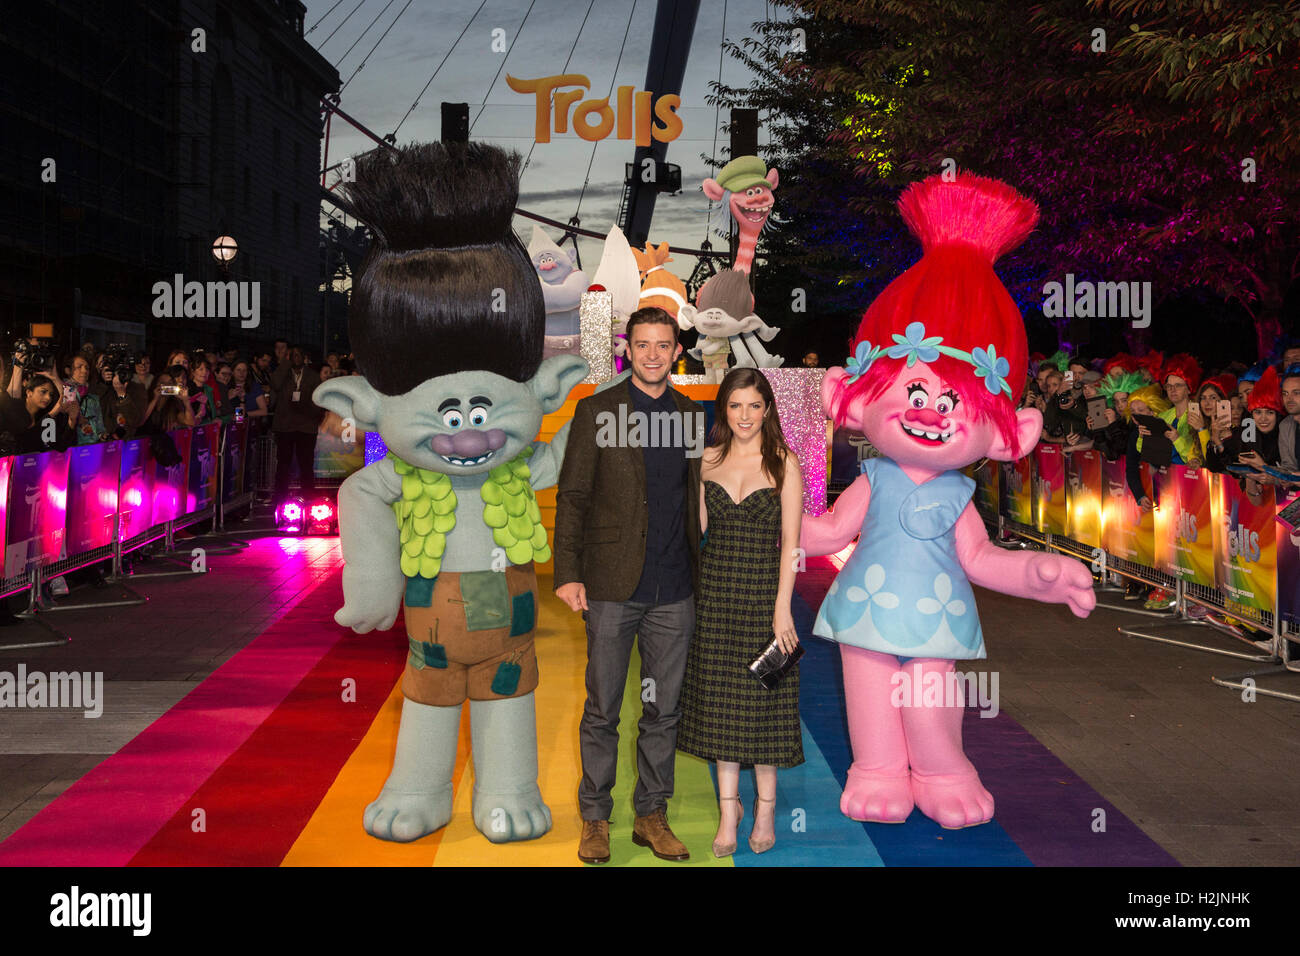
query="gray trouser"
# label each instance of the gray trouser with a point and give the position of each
(663, 633)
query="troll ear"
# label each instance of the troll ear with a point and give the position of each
(555, 378)
(351, 396)
(686, 316)
(1029, 425)
(832, 384)
(772, 177)
(713, 190)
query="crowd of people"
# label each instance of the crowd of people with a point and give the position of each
(1239, 420)
(53, 402)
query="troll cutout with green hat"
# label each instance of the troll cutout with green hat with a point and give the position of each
(447, 320)
(750, 184)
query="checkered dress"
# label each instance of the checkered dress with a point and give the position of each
(726, 713)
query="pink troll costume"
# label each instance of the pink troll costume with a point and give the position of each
(938, 367)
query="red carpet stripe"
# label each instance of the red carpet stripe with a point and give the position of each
(258, 801)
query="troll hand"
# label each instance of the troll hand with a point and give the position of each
(1057, 579)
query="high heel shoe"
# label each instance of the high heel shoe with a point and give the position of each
(762, 846)
(726, 849)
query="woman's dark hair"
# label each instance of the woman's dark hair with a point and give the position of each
(447, 285)
(774, 448)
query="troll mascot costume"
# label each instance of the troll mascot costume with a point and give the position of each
(447, 319)
(938, 367)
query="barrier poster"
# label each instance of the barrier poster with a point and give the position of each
(1191, 531)
(234, 461)
(1019, 485)
(201, 490)
(135, 497)
(1288, 569)
(1083, 480)
(1129, 531)
(987, 490)
(1245, 547)
(169, 487)
(38, 492)
(94, 472)
(1049, 488)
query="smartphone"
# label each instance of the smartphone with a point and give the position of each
(69, 393)
(239, 413)
(1223, 413)
(1069, 378)
(169, 390)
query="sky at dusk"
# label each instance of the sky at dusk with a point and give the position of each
(543, 34)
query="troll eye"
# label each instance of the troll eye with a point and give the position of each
(477, 415)
(917, 396)
(946, 403)
(452, 418)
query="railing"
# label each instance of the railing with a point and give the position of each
(64, 510)
(1207, 541)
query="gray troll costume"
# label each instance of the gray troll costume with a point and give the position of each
(447, 322)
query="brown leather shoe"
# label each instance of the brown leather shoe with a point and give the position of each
(652, 831)
(594, 845)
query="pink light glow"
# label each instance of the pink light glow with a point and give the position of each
(321, 512)
(840, 557)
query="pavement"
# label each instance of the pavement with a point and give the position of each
(1210, 776)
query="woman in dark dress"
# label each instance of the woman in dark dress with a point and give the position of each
(751, 503)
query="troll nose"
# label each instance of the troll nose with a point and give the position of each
(925, 418)
(469, 443)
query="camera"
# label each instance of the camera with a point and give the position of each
(120, 361)
(32, 357)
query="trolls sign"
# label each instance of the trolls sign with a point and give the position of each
(595, 119)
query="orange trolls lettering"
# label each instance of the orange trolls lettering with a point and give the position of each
(633, 113)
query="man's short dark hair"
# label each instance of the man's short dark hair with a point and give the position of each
(651, 315)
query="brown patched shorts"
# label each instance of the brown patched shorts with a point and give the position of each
(471, 636)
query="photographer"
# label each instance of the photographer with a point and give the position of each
(1065, 422)
(169, 406)
(123, 403)
(29, 356)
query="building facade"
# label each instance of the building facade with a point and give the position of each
(132, 135)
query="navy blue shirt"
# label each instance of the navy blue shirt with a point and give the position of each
(666, 574)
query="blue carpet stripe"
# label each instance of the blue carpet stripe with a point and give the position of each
(918, 842)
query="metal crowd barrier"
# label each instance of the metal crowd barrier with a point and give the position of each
(66, 510)
(1039, 500)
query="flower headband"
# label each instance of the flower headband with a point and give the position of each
(913, 345)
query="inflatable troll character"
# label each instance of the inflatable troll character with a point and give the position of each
(938, 365)
(447, 320)
(562, 286)
(725, 320)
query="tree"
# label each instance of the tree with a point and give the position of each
(1133, 141)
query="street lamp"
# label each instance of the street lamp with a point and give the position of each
(224, 251)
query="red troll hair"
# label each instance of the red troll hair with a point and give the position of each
(964, 226)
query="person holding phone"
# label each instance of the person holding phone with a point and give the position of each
(1266, 409)
(1113, 439)
(1214, 410)
(1180, 375)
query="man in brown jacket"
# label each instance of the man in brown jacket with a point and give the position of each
(627, 534)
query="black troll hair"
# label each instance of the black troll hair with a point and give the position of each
(447, 285)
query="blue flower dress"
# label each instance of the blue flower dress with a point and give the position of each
(903, 590)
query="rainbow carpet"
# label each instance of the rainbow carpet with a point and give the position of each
(271, 760)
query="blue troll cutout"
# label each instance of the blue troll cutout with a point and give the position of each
(447, 322)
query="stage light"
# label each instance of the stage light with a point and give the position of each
(322, 517)
(290, 516)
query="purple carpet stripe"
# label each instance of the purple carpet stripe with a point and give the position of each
(1045, 807)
